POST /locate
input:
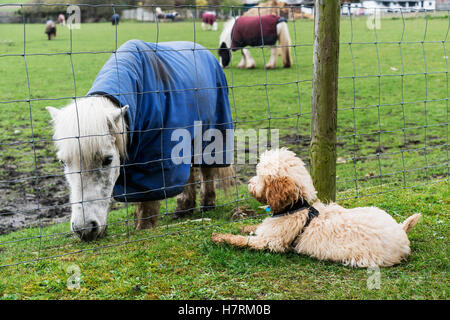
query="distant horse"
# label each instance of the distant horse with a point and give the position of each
(209, 21)
(50, 29)
(168, 16)
(115, 19)
(278, 8)
(61, 19)
(246, 31)
(120, 139)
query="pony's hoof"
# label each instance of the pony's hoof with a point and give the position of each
(143, 226)
(270, 67)
(179, 214)
(252, 66)
(145, 223)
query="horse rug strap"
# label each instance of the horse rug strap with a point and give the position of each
(247, 31)
(168, 86)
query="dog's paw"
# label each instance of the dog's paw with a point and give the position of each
(217, 237)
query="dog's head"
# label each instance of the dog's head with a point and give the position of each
(281, 179)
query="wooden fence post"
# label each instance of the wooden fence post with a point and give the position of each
(324, 97)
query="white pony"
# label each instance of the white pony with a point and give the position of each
(209, 21)
(91, 140)
(232, 40)
(122, 144)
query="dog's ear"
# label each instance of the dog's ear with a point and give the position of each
(280, 192)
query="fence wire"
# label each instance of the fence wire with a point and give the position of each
(392, 113)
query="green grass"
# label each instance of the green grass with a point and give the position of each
(412, 134)
(189, 266)
(386, 113)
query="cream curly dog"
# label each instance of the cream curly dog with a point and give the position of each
(359, 237)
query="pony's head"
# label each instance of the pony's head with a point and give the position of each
(225, 43)
(90, 142)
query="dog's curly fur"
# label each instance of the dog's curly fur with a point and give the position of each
(359, 237)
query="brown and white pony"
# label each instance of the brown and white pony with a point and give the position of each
(209, 21)
(246, 31)
(50, 29)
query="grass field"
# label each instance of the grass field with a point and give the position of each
(189, 266)
(393, 133)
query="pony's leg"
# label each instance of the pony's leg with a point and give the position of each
(214, 26)
(186, 200)
(208, 189)
(250, 63)
(243, 61)
(146, 214)
(203, 26)
(249, 229)
(272, 64)
(284, 41)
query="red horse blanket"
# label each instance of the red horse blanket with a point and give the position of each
(247, 31)
(208, 18)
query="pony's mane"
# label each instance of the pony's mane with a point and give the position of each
(225, 36)
(84, 126)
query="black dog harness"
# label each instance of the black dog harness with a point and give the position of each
(297, 206)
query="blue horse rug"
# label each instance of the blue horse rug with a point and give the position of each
(167, 86)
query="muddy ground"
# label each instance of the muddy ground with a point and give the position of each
(27, 202)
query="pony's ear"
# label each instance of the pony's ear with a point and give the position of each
(53, 112)
(280, 192)
(119, 112)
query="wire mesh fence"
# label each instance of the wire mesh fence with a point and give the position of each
(392, 111)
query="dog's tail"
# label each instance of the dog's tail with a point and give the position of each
(409, 223)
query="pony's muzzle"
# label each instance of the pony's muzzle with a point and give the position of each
(90, 232)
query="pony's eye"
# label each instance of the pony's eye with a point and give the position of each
(107, 161)
(62, 162)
